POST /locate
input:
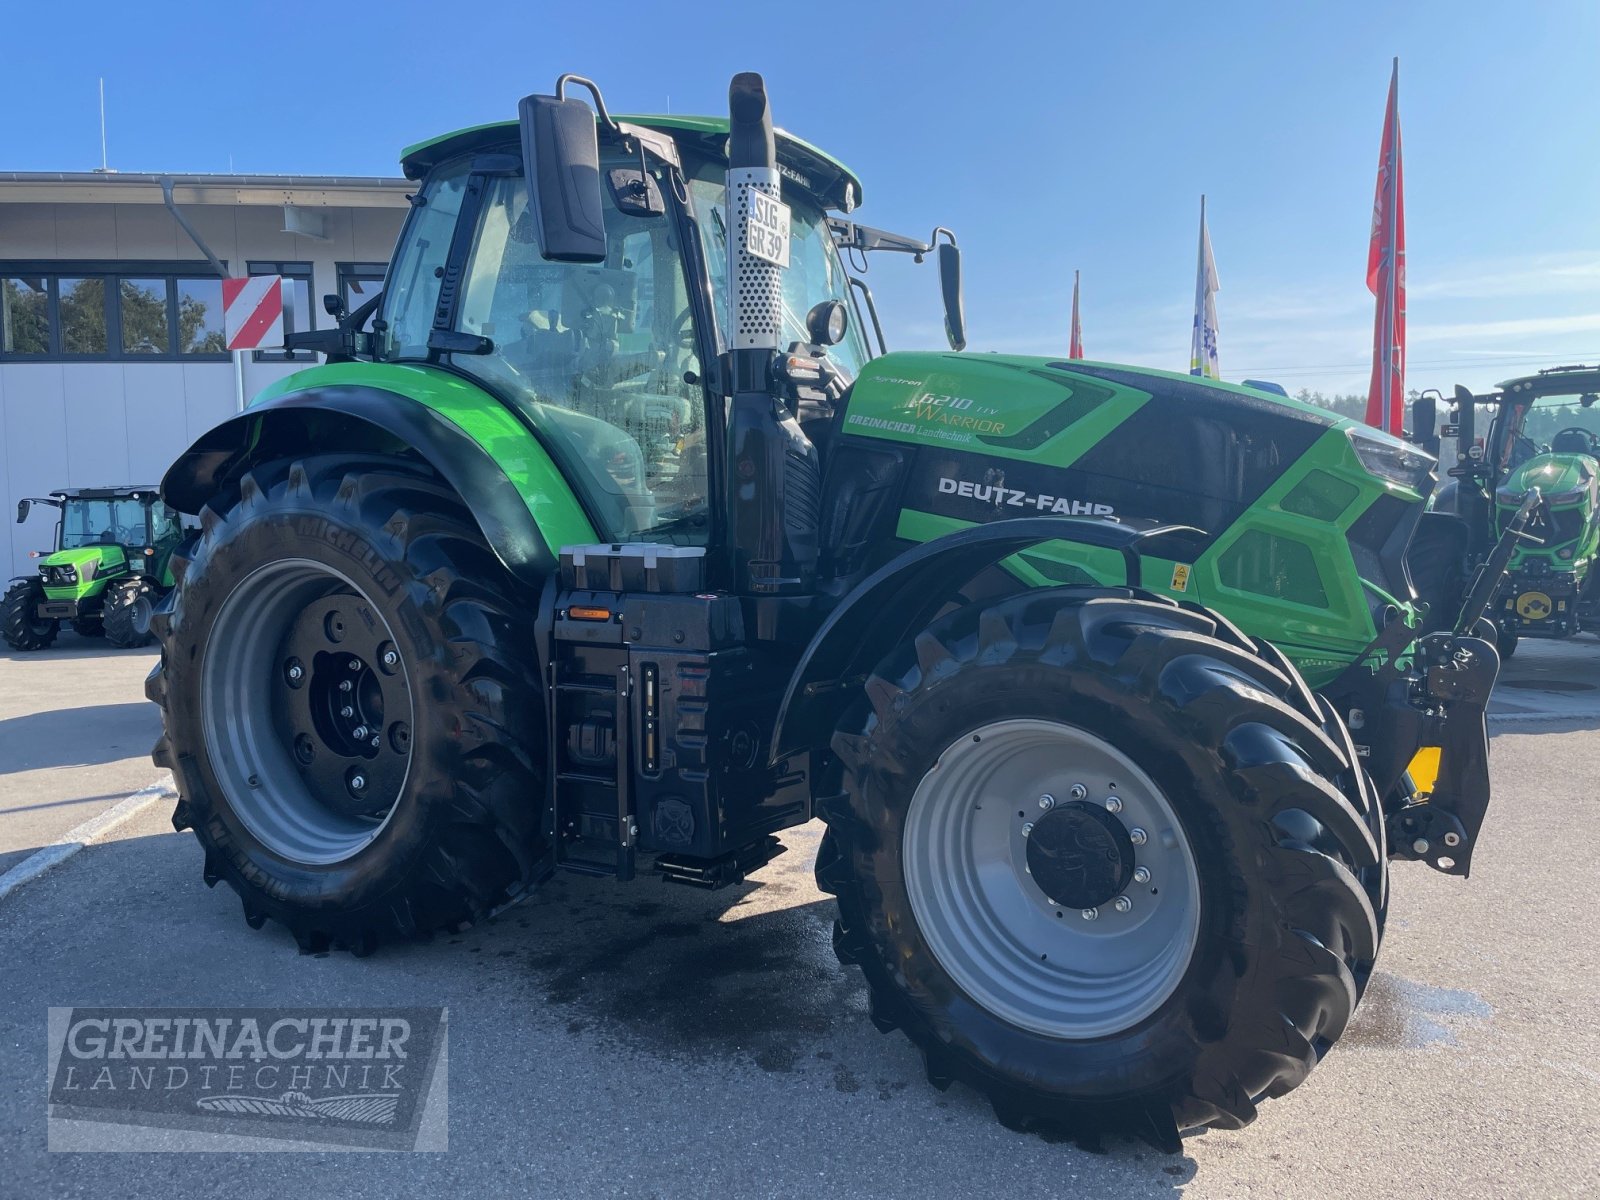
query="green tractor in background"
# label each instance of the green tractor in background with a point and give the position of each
(605, 543)
(1550, 589)
(111, 562)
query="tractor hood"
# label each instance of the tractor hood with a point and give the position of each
(103, 558)
(1563, 478)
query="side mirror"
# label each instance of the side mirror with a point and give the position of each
(1425, 424)
(22, 510)
(955, 313)
(561, 159)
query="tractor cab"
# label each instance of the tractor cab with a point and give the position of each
(611, 348)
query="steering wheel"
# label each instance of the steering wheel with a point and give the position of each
(1589, 436)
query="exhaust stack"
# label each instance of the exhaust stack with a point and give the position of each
(755, 287)
(774, 476)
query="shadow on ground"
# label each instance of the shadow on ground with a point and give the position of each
(78, 737)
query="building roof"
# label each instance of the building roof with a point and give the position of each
(117, 187)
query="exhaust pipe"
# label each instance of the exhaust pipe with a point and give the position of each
(755, 284)
(774, 476)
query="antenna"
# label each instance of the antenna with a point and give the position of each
(103, 167)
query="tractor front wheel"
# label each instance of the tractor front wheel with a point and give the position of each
(351, 704)
(1105, 860)
(20, 623)
(127, 615)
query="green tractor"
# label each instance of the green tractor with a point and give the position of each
(1550, 589)
(111, 562)
(606, 542)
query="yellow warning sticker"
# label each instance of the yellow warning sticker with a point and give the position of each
(1533, 606)
(1180, 577)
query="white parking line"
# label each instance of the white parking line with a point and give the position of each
(91, 831)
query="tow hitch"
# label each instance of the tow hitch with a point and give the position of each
(1456, 673)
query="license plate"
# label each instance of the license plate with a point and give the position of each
(766, 232)
(58, 608)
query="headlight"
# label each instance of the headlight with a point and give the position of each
(1391, 459)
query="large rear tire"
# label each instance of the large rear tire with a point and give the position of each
(20, 625)
(351, 706)
(1156, 963)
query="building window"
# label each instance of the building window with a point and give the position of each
(303, 318)
(360, 282)
(55, 311)
(25, 316)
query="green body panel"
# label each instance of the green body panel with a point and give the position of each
(110, 563)
(480, 417)
(1313, 603)
(1571, 486)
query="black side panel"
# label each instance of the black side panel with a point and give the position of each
(365, 419)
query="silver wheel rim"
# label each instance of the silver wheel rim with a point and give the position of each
(249, 755)
(1008, 945)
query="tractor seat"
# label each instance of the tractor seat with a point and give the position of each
(1570, 441)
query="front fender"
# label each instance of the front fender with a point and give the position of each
(906, 593)
(526, 514)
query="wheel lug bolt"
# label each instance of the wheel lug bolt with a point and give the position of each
(1047, 801)
(1090, 914)
(1452, 839)
(355, 664)
(345, 685)
(347, 711)
(1420, 846)
(1138, 836)
(357, 782)
(1027, 828)
(297, 672)
(359, 733)
(1141, 874)
(1078, 791)
(375, 740)
(1122, 904)
(390, 658)
(1113, 804)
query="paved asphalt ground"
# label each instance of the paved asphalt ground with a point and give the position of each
(648, 1040)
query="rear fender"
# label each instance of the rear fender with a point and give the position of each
(525, 527)
(902, 596)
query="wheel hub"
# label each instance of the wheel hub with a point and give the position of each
(1080, 854)
(337, 684)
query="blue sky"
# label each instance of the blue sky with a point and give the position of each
(1049, 136)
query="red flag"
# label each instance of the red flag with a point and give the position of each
(1386, 276)
(1075, 345)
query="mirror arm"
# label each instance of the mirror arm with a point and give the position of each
(594, 90)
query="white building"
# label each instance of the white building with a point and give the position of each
(111, 350)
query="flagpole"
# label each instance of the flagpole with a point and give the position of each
(1391, 218)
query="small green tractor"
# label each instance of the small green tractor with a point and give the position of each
(607, 542)
(1550, 590)
(110, 564)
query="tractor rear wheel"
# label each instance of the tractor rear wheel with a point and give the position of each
(127, 615)
(20, 624)
(1105, 860)
(351, 707)
(89, 627)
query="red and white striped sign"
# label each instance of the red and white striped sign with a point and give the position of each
(252, 311)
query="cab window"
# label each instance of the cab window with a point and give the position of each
(599, 357)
